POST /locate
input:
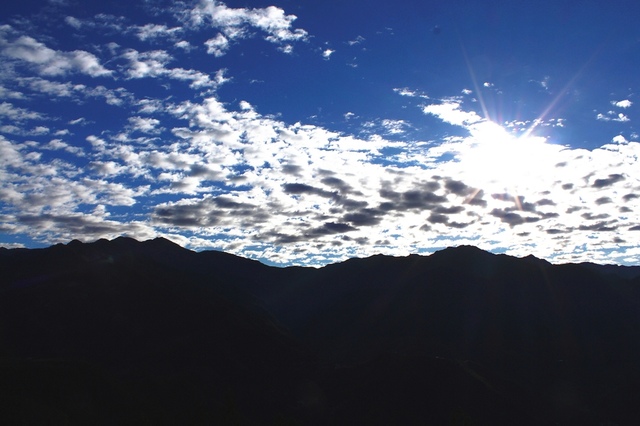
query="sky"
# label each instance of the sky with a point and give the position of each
(309, 132)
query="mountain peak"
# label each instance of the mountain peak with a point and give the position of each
(462, 252)
(162, 241)
(536, 260)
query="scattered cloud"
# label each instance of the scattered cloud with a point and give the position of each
(626, 103)
(394, 127)
(153, 64)
(154, 31)
(235, 23)
(128, 156)
(612, 116)
(358, 40)
(405, 91)
(18, 114)
(74, 22)
(51, 62)
(217, 46)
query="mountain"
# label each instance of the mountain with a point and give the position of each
(146, 322)
(126, 332)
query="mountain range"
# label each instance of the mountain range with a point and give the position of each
(128, 332)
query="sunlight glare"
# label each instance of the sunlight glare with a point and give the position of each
(498, 161)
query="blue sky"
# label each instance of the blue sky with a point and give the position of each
(309, 132)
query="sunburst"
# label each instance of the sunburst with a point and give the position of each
(497, 161)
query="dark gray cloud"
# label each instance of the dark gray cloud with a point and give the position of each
(301, 188)
(511, 218)
(548, 215)
(185, 216)
(205, 172)
(414, 199)
(448, 210)
(438, 218)
(600, 227)
(458, 188)
(475, 199)
(554, 231)
(78, 224)
(228, 203)
(331, 228)
(350, 204)
(590, 216)
(209, 212)
(291, 169)
(613, 178)
(459, 225)
(337, 183)
(629, 197)
(545, 202)
(603, 200)
(364, 217)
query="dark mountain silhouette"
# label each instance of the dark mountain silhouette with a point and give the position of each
(128, 332)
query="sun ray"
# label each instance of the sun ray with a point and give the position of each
(561, 93)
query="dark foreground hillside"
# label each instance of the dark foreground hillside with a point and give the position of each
(127, 332)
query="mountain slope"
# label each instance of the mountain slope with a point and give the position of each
(136, 312)
(459, 337)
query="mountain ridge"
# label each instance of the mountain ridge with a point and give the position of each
(630, 271)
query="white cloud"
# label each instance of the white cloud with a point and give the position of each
(52, 62)
(74, 22)
(153, 31)
(234, 23)
(612, 116)
(145, 125)
(22, 131)
(18, 114)
(287, 48)
(152, 64)
(622, 104)
(452, 113)
(359, 39)
(184, 45)
(405, 91)
(326, 54)
(10, 94)
(620, 139)
(77, 92)
(59, 144)
(394, 127)
(217, 46)
(78, 121)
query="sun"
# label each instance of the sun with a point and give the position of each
(497, 161)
